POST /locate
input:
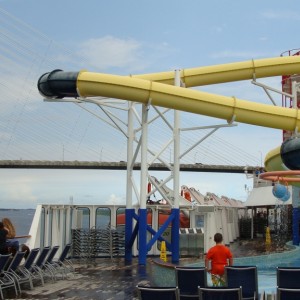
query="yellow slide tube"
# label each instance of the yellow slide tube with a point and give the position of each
(259, 68)
(228, 108)
(158, 89)
(273, 161)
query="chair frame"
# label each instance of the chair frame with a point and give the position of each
(221, 291)
(36, 269)
(6, 280)
(239, 281)
(63, 265)
(47, 267)
(284, 294)
(157, 293)
(196, 276)
(23, 271)
(13, 266)
(287, 283)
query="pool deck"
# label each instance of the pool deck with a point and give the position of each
(105, 279)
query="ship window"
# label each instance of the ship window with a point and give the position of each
(230, 215)
(199, 220)
(103, 217)
(120, 217)
(83, 217)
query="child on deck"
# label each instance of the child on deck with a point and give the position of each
(219, 256)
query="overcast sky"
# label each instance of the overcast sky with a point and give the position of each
(132, 37)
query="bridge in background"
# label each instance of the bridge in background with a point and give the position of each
(122, 165)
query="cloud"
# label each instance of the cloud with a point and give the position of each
(219, 28)
(18, 191)
(114, 199)
(110, 52)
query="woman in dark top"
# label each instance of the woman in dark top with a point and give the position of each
(3, 235)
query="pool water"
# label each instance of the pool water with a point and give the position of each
(266, 269)
(267, 278)
(267, 281)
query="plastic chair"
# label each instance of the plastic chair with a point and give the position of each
(220, 293)
(244, 276)
(158, 293)
(188, 279)
(287, 294)
(288, 277)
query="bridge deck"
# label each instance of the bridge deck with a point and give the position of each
(122, 165)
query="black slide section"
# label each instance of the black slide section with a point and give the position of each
(58, 84)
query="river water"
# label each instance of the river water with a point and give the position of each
(21, 218)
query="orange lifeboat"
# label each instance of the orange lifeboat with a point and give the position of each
(184, 222)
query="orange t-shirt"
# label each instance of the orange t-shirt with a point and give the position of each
(218, 255)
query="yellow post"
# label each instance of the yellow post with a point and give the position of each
(163, 251)
(268, 239)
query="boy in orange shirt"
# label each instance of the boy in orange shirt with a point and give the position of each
(219, 256)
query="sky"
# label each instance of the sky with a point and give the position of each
(136, 37)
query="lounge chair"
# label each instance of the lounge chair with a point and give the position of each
(6, 280)
(63, 265)
(288, 277)
(36, 270)
(23, 273)
(287, 294)
(220, 293)
(47, 267)
(158, 293)
(244, 276)
(188, 279)
(12, 269)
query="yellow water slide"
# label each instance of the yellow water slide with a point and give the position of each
(157, 89)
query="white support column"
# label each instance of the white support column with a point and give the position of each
(143, 192)
(294, 93)
(144, 166)
(176, 170)
(130, 142)
(69, 213)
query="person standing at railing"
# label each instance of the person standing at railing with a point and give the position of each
(220, 256)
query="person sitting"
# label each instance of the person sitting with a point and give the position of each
(11, 242)
(3, 235)
(26, 249)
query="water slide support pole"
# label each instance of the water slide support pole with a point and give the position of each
(129, 212)
(296, 214)
(176, 183)
(143, 195)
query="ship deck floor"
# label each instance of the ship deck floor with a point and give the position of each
(106, 278)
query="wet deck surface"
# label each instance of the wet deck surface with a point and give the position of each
(105, 279)
(108, 279)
